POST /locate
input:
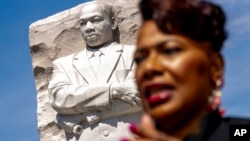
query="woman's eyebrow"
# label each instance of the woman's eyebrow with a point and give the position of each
(158, 45)
(141, 50)
(163, 43)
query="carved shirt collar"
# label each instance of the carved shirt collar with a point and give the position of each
(103, 50)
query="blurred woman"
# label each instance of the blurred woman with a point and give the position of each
(180, 71)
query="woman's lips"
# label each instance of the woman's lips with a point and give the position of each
(157, 94)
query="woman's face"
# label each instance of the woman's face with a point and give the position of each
(174, 73)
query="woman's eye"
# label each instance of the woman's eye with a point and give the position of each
(139, 59)
(171, 50)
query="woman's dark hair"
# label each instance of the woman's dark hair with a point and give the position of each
(197, 19)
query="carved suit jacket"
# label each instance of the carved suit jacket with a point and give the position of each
(81, 97)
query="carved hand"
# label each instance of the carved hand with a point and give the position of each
(125, 93)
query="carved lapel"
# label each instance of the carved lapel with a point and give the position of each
(109, 63)
(82, 66)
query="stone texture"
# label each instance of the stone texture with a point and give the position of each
(59, 35)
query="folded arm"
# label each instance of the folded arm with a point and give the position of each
(70, 97)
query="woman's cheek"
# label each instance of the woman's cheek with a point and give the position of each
(191, 67)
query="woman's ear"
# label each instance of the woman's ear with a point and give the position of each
(114, 23)
(217, 68)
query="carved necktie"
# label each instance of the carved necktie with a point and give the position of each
(96, 61)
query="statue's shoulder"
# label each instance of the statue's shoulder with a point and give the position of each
(128, 48)
(128, 52)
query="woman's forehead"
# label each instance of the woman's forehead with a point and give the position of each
(149, 33)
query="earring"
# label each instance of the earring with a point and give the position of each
(214, 99)
(219, 83)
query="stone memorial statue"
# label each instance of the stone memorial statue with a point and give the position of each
(93, 90)
(83, 69)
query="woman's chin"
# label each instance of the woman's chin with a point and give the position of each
(164, 111)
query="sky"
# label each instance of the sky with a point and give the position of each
(18, 120)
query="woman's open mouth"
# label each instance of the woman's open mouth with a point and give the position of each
(158, 93)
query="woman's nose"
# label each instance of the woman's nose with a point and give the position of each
(153, 67)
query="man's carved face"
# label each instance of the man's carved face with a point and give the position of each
(96, 26)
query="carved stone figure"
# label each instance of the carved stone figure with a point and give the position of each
(93, 90)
